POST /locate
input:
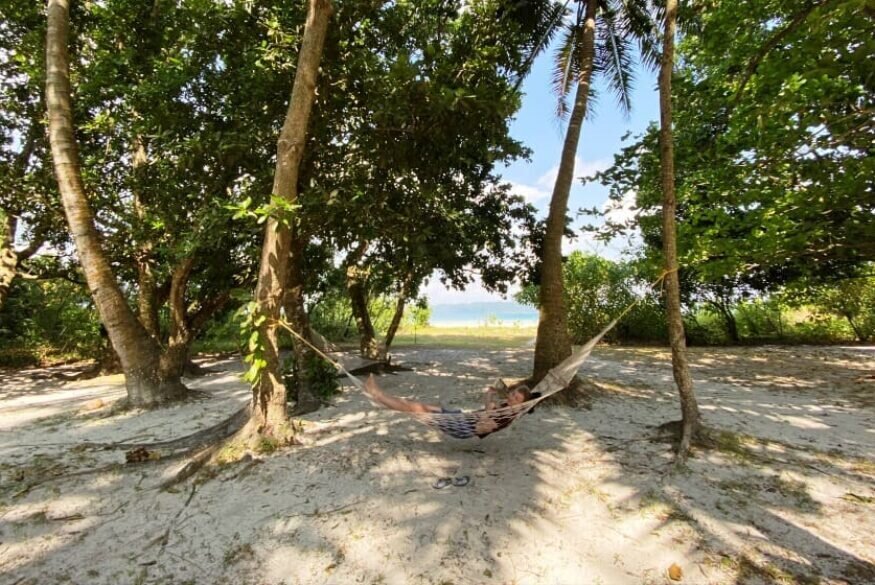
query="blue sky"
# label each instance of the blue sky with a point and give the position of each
(538, 128)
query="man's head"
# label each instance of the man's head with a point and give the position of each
(519, 395)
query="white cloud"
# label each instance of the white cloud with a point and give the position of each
(581, 169)
(543, 187)
(620, 211)
(529, 193)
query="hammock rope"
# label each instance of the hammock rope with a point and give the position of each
(479, 423)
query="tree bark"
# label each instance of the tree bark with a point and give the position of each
(147, 287)
(138, 352)
(269, 415)
(553, 343)
(175, 355)
(356, 277)
(403, 295)
(8, 257)
(296, 312)
(680, 368)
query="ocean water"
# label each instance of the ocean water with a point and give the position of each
(506, 314)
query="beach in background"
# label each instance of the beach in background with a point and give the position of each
(490, 314)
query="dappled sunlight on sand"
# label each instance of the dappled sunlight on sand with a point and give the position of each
(562, 496)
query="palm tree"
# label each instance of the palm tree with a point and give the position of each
(148, 381)
(596, 41)
(691, 425)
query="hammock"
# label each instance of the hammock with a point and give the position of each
(480, 423)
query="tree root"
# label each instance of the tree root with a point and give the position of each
(190, 442)
(702, 437)
(230, 449)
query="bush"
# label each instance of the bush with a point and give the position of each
(320, 375)
(47, 319)
(597, 290)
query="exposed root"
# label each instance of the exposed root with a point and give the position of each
(247, 440)
(191, 467)
(701, 437)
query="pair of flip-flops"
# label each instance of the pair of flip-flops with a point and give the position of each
(445, 482)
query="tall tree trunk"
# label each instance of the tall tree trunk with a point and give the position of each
(553, 342)
(689, 408)
(147, 287)
(138, 352)
(8, 257)
(296, 313)
(269, 415)
(403, 295)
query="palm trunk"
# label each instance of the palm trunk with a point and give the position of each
(680, 367)
(269, 415)
(553, 343)
(138, 352)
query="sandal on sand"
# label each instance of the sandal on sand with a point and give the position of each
(442, 483)
(461, 481)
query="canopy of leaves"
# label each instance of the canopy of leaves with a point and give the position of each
(774, 135)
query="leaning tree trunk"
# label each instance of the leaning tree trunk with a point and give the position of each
(296, 312)
(269, 415)
(680, 367)
(553, 343)
(138, 352)
(403, 295)
(356, 277)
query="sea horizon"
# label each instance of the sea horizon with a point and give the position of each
(484, 313)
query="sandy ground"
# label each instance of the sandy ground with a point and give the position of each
(564, 496)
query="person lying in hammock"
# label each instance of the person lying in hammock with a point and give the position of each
(479, 423)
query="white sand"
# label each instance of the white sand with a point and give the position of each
(563, 496)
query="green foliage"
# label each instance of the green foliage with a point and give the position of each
(418, 315)
(319, 375)
(852, 300)
(250, 322)
(42, 319)
(332, 314)
(597, 290)
(773, 138)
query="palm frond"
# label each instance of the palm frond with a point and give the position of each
(614, 58)
(566, 68)
(547, 18)
(642, 21)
